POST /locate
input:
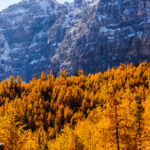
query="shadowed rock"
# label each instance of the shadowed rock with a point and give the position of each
(2, 146)
(92, 35)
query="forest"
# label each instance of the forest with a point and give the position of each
(102, 111)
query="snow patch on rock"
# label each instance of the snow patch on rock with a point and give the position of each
(5, 50)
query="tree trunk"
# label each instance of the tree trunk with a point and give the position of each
(117, 132)
(117, 137)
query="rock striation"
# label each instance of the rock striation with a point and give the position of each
(93, 35)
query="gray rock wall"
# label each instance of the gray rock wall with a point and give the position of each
(92, 35)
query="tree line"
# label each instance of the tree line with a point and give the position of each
(107, 111)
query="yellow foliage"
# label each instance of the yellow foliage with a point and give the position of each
(106, 111)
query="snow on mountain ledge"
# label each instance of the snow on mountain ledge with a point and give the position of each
(45, 4)
(4, 48)
(87, 34)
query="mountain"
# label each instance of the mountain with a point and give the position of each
(93, 35)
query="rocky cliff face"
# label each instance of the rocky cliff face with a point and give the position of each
(93, 35)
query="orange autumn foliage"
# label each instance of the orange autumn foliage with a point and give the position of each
(106, 111)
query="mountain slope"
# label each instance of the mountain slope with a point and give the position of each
(92, 35)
